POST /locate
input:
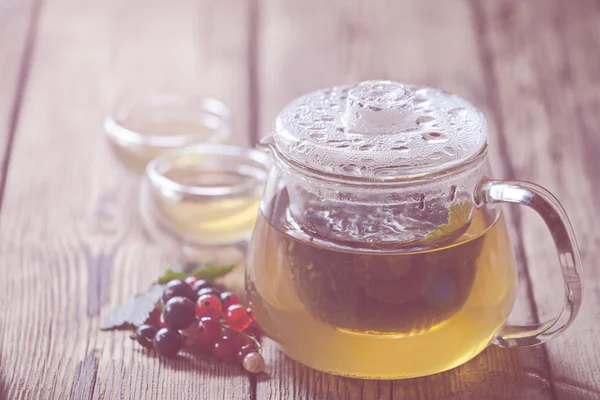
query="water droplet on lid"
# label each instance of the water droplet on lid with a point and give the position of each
(342, 145)
(436, 155)
(317, 128)
(297, 115)
(327, 118)
(365, 147)
(449, 150)
(401, 148)
(457, 111)
(351, 169)
(420, 101)
(435, 137)
(317, 136)
(424, 119)
(384, 172)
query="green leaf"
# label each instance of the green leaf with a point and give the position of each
(207, 272)
(134, 312)
(459, 217)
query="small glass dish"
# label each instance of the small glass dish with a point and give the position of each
(143, 128)
(203, 198)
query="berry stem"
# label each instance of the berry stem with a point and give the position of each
(254, 340)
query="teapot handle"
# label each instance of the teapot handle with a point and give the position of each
(548, 207)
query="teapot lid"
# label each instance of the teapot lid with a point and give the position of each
(380, 129)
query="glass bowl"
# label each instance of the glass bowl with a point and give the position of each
(203, 198)
(143, 128)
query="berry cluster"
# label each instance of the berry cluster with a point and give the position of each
(197, 314)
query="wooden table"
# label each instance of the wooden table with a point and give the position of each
(71, 246)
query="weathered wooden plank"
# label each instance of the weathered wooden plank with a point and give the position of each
(71, 246)
(16, 34)
(546, 67)
(310, 44)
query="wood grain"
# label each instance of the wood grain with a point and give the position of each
(17, 29)
(410, 41)
(71, 245)
(70, 239)
(546, 70)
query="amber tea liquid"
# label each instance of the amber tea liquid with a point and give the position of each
(208, 221)
(381, 313)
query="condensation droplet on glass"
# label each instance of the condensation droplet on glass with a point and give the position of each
(401, 148)
(436, 155)
(420, 101)
(449, 150)
(351, 169)
(365, 147)
(457, 111)
(424, 119)
(435, 137)
(317, 136)
(386, 172)
(327, 118)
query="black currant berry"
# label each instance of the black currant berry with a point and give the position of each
(144, 335)
(201, 284)
(179, 312)
(209, 290)
(168, 342)
(178, 287)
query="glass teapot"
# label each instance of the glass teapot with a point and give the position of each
(380, 250)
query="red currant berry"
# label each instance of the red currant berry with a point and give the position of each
(161, 322)
(208, 306)
(226, 349)
(209, 332)
(190, 280)
(237, 317)
(242, 340)
(227, 331)
(245, 350)
(254, 330)
(228, 299)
